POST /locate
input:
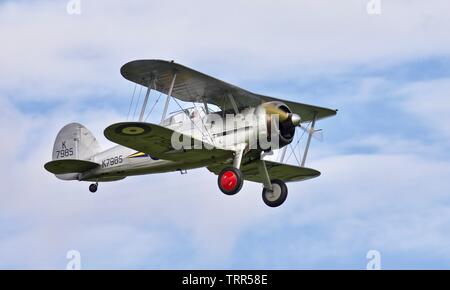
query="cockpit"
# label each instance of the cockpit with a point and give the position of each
(181, 116)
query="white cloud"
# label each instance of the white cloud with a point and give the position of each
(124, 223)
(77, 55)
(395, 203)
(390, 201)
(429, 102)
(394, 198)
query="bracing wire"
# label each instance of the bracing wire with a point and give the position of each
(132, 100)
(298, 142)
(295, 155)
(153, 107)
(204, 126)
(181, 108)
(137, 103)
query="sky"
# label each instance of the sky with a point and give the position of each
(385, 158)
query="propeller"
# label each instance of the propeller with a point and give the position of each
(272, 108)
(290, 122)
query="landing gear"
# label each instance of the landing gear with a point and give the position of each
(93, 187)
(277, 195)
(275, 191)
(230, 180)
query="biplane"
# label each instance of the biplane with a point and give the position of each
(231, 131)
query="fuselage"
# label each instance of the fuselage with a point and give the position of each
(119, 162)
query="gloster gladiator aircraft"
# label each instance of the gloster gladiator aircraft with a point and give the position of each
(234, 142)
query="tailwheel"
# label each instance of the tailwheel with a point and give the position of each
(230, 180)
(277, 195)
(93, 187)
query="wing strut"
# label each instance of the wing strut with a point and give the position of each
(308, 142)
(233, 103)
(205, 104)
(166, 105)
(283, 153)
(144, 105)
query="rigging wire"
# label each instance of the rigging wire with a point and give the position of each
(132, 100)
(137, 103)
(203, 123)
(298, 141)
(295, 155)
(188, 116)
(153, 107)
(189, 91)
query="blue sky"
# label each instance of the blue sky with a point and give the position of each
(384, 160)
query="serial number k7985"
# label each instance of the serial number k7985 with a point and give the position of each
(64, 152)
(112, 161)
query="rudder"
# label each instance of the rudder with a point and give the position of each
(74, 141)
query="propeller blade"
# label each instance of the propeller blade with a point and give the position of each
(271, 109)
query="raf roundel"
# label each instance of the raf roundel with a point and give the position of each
(133, 129)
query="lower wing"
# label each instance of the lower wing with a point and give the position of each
(276, 170)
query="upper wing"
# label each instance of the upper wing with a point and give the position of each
(64, 166)
(305, 111)
(276, 170)
(156, 141)
(194, 86)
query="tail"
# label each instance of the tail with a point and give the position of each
(73, 152)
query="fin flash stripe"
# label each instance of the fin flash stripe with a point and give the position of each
(138, 154)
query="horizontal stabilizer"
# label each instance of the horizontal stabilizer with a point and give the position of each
(64, 166)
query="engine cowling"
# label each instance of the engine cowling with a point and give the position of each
(285, 126)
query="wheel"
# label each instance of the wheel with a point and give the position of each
(93, 187)
(277, 196)
(230, 180)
